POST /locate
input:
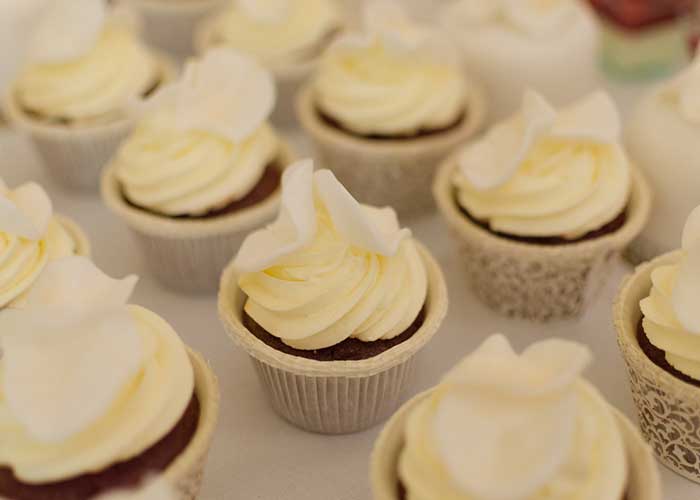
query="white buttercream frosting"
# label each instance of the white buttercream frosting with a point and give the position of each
(545, 172)
(394, 78)
(684, 92)
(671, 313)
(84, 64)
(30, 236)
(529, 418)
(203, 142)
(87, 381)
(156, 489)
(279, 32)
(329, 268)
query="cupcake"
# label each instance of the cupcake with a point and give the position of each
(668, 159)
(332, 302)
(643, 39)
(549, 46)
(84, 67)
(287, 36)
(201, 169)
(542, 204)
(386, 106)
(504, 425)
(31, 236)
(656, 316)
(170, 25)
(98, 395)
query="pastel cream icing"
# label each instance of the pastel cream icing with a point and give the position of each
(204, 141)
(684, 93)
(30, 236)
(396, 78)
(329, 268)
(85, 66)
(86, 380)
(671, 319)
(545, 172)
(529, 418)
(278, 32)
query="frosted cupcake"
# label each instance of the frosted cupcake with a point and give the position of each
(201, 169)
(288, 36)
(386, 106)
(84, 68)
(98, 395)
(549, 46)
(332, 302)
(668, 159)
(31, 236)
(503, 425)
(656, 315)
(171, 25)
(542, 204)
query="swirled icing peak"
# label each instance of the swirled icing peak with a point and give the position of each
(494, 160)
(526, 417)
(375, 230)
(685, 91)
(532, 17)
(225, 93)
(74, 334)
(686, 292)
(25, 211)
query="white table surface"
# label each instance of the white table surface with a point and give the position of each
(256, 455)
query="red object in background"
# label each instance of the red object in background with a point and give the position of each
(695, 29)
(640, 14)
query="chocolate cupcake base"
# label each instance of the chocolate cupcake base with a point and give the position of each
(128, 474)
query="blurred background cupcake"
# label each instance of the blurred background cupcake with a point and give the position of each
(386, 105)
(287, 36)
(663, 139)
(551, 47)
(201, 169)
(84, 66)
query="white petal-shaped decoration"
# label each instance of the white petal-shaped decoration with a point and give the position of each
(375, 230)
(493, 160)
(65, 363)
(494, 394)
(155, 489)
(75, 284)
(294, 228)
(25, 211)
(594, 118)
(266, 11)
(536, 17)
(687, 288)
(226, 93)
(67, 30)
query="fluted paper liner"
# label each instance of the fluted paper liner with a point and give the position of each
(74, 155)
(668, 408)
(82, 243)
(397, 172)
(643, 481)
(171, 25)
(187, 471)
(532, 281)
(289, 78)
(335, 397)
(189, 255)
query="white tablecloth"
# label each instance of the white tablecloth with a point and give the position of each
(258, 456)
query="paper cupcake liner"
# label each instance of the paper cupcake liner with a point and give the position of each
(537, 282)
(336, 397)
(644, 481)
(396, 173)
(289, 78)
(171, 25)
(82, 243)
(668, 408)
(74, 156)
(188, 255)
(187, 471)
